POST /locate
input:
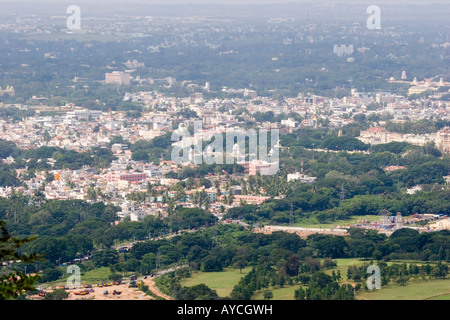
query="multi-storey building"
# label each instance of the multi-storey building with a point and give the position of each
(117, 77)
(443, 140)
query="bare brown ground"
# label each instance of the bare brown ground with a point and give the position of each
(126, 293)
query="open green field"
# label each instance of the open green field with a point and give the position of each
(90, 277)
(285, 293)
(223, 282)
(313, 223)
(441, 297)
(414, 290)
(343, 264)
(96, 275)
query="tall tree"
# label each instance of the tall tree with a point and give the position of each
(13, 282)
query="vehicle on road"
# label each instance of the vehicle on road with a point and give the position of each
(104, 284)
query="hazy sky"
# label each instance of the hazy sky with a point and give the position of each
(233, 2)
(129, 3)
(144, 7)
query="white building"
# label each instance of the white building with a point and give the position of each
(291, 123)
(300, 177)
(84, 114)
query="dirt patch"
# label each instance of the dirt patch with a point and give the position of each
(126, 293)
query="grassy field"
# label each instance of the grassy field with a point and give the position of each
(414, 290)
(96, 275)
(223, 282)
(440, 297)
(285, 293)
(343, 264)
(90, 277)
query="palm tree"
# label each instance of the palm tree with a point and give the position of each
(181, 195)
(230, 197)
(194, 198)
(149, 188)
(244, 186)
(91, 193)
(171, 207)
(164, 197)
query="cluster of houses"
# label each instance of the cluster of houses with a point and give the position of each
(78, 129)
